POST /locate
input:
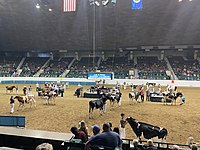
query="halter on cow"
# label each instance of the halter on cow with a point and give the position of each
(98, 104)
(148, 131)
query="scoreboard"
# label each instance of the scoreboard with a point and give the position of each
(100, 75)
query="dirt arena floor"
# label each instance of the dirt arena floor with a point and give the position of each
(180, 121)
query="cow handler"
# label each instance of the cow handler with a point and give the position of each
(12, 104)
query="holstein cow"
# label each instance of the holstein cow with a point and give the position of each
(133, 95)
(171, 97)
(10, 88)
(98, 104)
(30, 99)
(148, 131)
(114, 98)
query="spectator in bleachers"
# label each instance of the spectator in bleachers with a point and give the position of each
(79, 134)
(83, 127)
(95, 129)
(107, 139)
(116, 129)
(150, 145)
(44, 146)
(135, 145)
(190, 141)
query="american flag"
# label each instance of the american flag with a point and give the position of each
(69, 5)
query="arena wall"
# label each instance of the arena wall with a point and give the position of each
(83, 81)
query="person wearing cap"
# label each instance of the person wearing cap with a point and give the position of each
(107, 139)
(95, 129)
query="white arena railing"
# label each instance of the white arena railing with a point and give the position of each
(83, 81)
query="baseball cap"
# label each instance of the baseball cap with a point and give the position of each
(96, 127)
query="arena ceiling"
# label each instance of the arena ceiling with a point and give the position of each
(23, 27)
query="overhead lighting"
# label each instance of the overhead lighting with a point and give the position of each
(97, 3)
(91, 2)
(180, 49)
(105, 2)
(114, 1)
(190, 0)
(147, 50)
(179, 0)
(50, 9)
(37, 6)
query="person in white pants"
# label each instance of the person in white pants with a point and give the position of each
(104, 107)
(123, 123)
(12, 104)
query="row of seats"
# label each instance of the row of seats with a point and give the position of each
(147, 67)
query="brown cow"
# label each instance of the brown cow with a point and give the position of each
(10, 88)
(29, 99)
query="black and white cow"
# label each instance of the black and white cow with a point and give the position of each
(132, 96)
(114, 98)
(171, 97)
(98, 104)
(148, 131)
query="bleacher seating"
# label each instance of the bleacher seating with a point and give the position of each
(80, 68)
(151, 68)
(8, 66)
(31, 65)
(56, 67)
(185, 69)
(119, 65)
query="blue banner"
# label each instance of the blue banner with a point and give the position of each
(99, 76)
(136, 4)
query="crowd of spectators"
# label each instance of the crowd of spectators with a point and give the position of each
(119, 65)
(110, 139)
(56, 67)
(185, 69)
(8, 66)
(151, 68)
(32, 65)
(147, 67)
(80, 68)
